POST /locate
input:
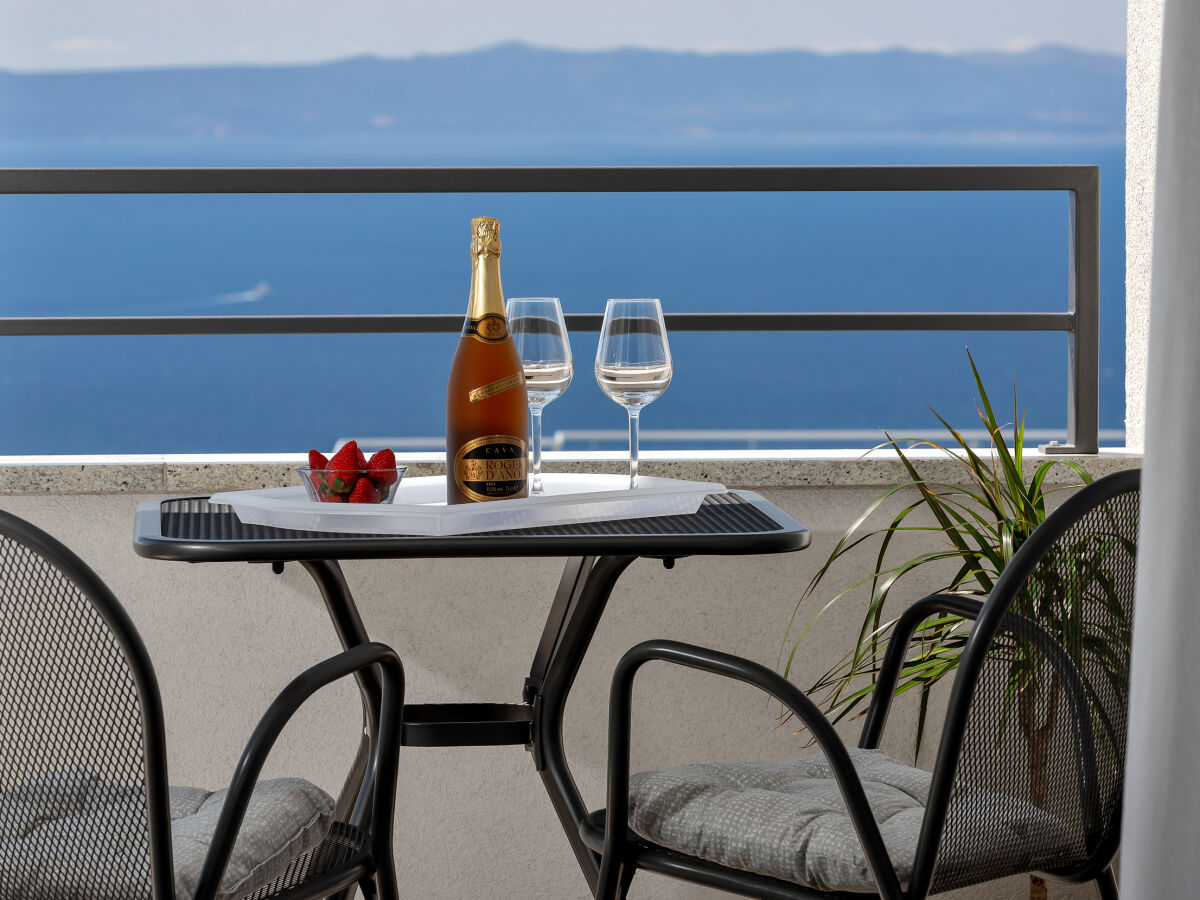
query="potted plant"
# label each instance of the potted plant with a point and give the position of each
(977, 526)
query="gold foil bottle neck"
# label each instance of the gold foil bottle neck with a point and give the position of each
(485, 237)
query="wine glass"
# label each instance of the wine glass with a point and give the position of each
(633, 362)
(538, 330)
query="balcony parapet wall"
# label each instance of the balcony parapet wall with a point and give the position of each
(199, 474)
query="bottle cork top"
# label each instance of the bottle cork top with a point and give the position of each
(485, 236)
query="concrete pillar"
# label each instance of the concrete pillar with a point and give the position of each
(1142, 59)
(1162, 805)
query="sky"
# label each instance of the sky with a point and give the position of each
(94, 34)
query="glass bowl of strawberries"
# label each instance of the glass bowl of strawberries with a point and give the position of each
(349, 477)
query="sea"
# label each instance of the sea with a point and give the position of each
(329, 254)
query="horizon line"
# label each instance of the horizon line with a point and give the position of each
(849, 50)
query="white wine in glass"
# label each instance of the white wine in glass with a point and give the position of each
(540, 333)
(545, 381)
(633, 362)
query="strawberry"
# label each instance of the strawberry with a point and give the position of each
(382, 468)
(344, 468)
(331, 497)
(362, 460)
(318, 481)
(317, 460)
(365, 492)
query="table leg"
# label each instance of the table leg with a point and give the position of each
(570, 585)
(344, 614)
(591, 588)
(348, 624)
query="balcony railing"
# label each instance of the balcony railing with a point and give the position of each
(1079, 320)
(588, 439)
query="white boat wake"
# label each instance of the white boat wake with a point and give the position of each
(254, 295)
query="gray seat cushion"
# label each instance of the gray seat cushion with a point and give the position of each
(55, 810)
(286, 817)
(788, 820)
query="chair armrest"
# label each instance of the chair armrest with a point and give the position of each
(380, 780)
(954, 729)
(619, 727)
(897, 649)
(970, 608)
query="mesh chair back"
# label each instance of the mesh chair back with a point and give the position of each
(1039, 775)
(82, 769)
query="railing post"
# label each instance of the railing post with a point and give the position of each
(1083, 304)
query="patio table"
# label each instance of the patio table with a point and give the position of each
(733, 523)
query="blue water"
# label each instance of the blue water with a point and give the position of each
(190, 255)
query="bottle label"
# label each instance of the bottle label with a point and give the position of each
(490, 329)
(492, 468)
(496, 387)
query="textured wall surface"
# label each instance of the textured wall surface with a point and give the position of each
(475, 822)
(1143, 60)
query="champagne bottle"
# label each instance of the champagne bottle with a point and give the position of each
(486, 403)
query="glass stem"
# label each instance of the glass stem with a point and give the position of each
(535, 416)
(633, 446)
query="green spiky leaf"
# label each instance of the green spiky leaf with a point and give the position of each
(979, 525)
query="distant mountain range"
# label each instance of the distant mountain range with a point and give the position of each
(1051, 91)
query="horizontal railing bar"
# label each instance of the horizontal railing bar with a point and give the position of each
(563, 438)
(521, 179)
(45, 326)
(712, 435)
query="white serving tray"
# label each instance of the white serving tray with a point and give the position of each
(420, 506)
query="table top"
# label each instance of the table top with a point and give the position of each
(190, 529)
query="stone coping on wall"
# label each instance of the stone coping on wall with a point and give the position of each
(206, 473)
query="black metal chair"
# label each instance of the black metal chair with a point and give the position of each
(82, 732)
(1036, 723)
